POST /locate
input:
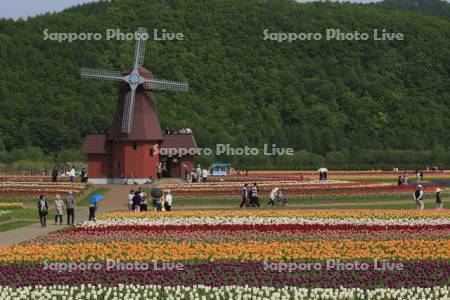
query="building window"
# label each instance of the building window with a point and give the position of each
(118, 165)
(152, 152)
(135, 146)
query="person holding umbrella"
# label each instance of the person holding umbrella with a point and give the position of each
(156, 194)
(93, 205)
(323, 174)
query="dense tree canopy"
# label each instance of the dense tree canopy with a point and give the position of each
(433, 7)
(322, 97)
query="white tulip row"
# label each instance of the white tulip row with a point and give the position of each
(201, 292)
(262, 220)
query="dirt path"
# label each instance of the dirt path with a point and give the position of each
(115, 199)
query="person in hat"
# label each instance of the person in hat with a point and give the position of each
(439, 204)
(59, 205)
(418, 197)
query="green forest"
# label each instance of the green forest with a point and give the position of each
(344, 103)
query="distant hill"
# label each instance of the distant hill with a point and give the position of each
(439, 8)
(342, 99)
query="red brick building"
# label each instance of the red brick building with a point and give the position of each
(116, 156)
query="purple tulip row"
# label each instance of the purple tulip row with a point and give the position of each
(415, 274)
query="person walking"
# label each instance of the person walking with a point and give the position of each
(199, 173)
(92, 210)
(143, 203)
(244, 196)
(418, 197)
(164, 170)
(405, 178)
(130, 200)
(168, 201)
(83, 175)
(204, 175)
(55, 174)
(59, 205)
(72, 174)
(439, 204)
(273, 196)
(157, 204)
(43, 210)
(194, 177)
(70, 208)
(159, 171)
(186, 172)
(255, 199)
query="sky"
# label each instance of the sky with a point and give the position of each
(25, 8)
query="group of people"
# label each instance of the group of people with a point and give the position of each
(403, 179)
(59, 205)
(419, 194)
(137, 201)
(70, 174)
(178, 131)
(250, 196)
(196, 174)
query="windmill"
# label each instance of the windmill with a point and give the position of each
(128, 149)
(134, 80)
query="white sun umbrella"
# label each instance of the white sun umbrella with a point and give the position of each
(323, 170)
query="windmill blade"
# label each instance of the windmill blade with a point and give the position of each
(139, 50)
(101, 74)
(175, 86)
(128, 111)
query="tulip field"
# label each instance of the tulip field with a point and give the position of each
(239, 253)
(29, 190)
(231, 254)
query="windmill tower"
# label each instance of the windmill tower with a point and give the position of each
(128, 150)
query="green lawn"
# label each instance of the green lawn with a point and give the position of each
(20, 214)
(14, 225)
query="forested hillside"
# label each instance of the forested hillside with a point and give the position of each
(432, 7)
(349, 101)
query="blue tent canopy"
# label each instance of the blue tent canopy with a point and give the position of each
(220, 169)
